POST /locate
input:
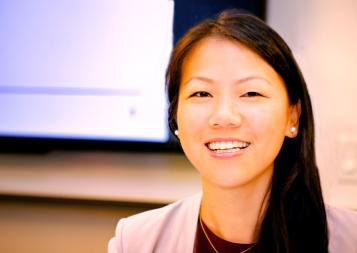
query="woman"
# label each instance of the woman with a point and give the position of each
(241, 110)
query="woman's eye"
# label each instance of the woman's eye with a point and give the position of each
(200, 94)
(252, 94)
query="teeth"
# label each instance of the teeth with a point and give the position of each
(227, 145)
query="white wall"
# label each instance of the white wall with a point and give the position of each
(323, 37)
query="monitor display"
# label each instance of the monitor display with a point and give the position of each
(85, 69)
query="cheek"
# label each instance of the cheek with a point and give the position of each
(267, 122)
(191, 118)
(183, 117)
(186, 125)
(191, 121)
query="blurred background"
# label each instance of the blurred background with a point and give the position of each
(63, 189)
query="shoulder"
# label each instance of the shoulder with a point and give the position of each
(164, 214)
(166, 224)
(342, 219)
(342, 224)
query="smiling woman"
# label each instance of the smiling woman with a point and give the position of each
(240, 107)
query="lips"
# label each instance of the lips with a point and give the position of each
(227, 146)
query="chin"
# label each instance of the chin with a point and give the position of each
(228, 182)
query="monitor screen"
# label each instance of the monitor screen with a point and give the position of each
(85, 69)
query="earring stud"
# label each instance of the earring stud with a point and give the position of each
(292, 129)
(176, 132)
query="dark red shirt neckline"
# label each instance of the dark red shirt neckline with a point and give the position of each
(203, 246)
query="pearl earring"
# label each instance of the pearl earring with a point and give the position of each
(176, 132)
(292, 129)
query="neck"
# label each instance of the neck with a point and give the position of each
(234, 214)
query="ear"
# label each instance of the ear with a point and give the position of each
(292, 128)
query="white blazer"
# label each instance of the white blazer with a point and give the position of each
(172, 229)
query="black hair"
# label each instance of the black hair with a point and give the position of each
(295, 218)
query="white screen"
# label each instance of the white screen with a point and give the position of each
(87, 69)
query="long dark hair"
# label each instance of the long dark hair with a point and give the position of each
(295, 218)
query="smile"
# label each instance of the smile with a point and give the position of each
(227, 146)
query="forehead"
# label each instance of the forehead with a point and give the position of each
(224, 59)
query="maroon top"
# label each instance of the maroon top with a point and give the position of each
(203, 246)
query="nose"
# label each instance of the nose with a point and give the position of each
(225, 114)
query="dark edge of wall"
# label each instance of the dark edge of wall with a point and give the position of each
(75, 201)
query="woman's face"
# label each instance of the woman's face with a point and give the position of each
(233, 113)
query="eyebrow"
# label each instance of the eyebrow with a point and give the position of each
(239, 81)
